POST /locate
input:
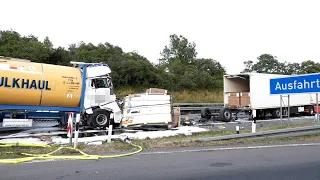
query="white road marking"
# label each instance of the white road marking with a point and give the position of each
(39, 161)
(231, 148)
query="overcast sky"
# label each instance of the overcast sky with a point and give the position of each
(229, 31)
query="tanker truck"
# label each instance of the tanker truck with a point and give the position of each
(31, 91)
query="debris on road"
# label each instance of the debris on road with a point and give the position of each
(183, 130)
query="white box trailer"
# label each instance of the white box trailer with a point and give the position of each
(150, 108)
(258, 101)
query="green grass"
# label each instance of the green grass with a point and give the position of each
(197, 97)
(202, 96)
(15, 152)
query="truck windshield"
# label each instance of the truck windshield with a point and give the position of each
(104, 82)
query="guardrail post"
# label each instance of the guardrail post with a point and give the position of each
(238, 129)
(76, 132)
(253, 126)
(109, 133)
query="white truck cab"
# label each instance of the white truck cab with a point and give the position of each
(100, 103)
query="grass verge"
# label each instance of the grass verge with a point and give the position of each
(163, 143)
(118, 147)
(149, 145)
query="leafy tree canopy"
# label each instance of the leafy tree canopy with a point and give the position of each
(179, 67)
(267, 63)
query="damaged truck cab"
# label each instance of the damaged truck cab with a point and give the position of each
(101, 107)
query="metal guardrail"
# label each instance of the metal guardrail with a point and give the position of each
(197, 106)
(257, 134)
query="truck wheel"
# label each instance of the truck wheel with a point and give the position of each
(100, 118)
(225, 115)
(63, 122)
(276, 113)
(205, 113)
(261, 114)
(311, 110)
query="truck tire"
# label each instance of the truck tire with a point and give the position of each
(63, 123)
(311, 110)
(276, 113)
(205, 113)
(225, 115)
(100, 118)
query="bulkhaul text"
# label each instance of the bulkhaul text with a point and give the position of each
(24, 83)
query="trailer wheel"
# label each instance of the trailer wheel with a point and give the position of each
(225, 115)
(100, 118)
(276, 113)
(205, 113)
(311, 110)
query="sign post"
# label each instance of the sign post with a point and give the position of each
(281, 107)
(69, 131)
(317, 99)
(288, 107)
(297, 84)
(76, 132)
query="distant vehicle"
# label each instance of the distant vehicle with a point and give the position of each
(31, 90)
(250, 93)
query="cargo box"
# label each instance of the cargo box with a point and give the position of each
(151, 108)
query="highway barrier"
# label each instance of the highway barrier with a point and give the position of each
(257, 134)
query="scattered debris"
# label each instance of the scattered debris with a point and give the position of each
(98, 140)
(24, 140)
(85, 140)
(183, 130)
(95, 143)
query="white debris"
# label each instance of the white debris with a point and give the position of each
(95, 143)
(98, 140)
(59, 140)
(184, 130)
(23, 140)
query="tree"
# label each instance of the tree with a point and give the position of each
(60, 56)
(27, 47)
(180, 69)
(179, 49)
(269, 64)
(47, 43)
(247, 66)
(266, 63)
(309, 67)
(291, 68)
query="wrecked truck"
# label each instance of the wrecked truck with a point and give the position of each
(38, 91)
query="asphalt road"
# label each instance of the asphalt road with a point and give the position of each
(285, 163)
